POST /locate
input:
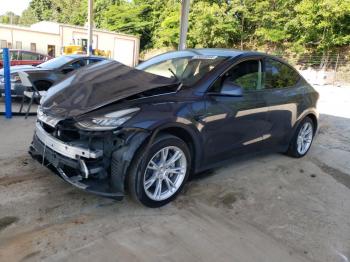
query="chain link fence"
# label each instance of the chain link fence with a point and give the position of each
(320, 70)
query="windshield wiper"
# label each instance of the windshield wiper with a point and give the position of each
(176, 77)
(178, 80)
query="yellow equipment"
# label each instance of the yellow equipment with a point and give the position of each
(77, 49)
(73, 49)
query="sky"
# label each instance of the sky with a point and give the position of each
(16, 6)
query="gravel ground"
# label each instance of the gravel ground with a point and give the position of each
(263, 208)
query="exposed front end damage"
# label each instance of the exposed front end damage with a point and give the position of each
(93, 161)
(82, 131)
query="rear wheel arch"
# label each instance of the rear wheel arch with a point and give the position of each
(312, 114)
(293, 144)
(314, 120)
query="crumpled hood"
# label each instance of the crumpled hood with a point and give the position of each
(98, 85)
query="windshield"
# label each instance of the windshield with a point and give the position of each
(188, 70)
(56, 62)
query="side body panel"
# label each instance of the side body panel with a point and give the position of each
(284, 107)
(233, 126)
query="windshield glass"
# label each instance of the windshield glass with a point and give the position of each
(56, 62)
(188, 70)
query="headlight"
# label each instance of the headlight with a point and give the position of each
(108, 121)
(14, 78)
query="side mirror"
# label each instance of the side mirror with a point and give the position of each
(231, 89)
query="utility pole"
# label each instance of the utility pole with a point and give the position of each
(185, 8)
(90, 24)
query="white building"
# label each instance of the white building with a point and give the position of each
(49, 38)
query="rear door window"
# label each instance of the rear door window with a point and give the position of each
(279, 75)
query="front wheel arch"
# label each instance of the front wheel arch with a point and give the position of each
(188, 138)
(187, 132)
(170, 129)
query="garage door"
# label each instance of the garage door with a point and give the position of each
(124, 51)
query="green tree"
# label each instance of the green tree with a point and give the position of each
(42, 9)
(69, 11)
(9, 18)
(166, 32)
(129, 17)
(213, 25)
(28, 17)
(100, 6)
(296, 26)
(321, 26)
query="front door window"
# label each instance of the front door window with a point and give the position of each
(246, 74)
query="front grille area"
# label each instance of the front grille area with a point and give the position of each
(47, 128)
(67, 135)
(64, 131)
(67, 132)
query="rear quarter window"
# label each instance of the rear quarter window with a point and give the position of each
(92, 61)
(279, 75)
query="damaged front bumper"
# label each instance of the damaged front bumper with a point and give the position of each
(81, 166)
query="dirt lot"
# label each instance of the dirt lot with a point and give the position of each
(266, 208)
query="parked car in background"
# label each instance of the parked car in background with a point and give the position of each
(109, 126)
(43, 76)
(22, 57)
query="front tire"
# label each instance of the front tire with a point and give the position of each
(302, 140)
(157, 176)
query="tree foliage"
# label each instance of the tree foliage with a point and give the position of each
(28, 17)
(297, 26)
(9, 18)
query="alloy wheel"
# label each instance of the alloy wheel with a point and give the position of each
(165, 173)
(304, 139)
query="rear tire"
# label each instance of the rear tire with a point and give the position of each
(302, 139)
(157, 176)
